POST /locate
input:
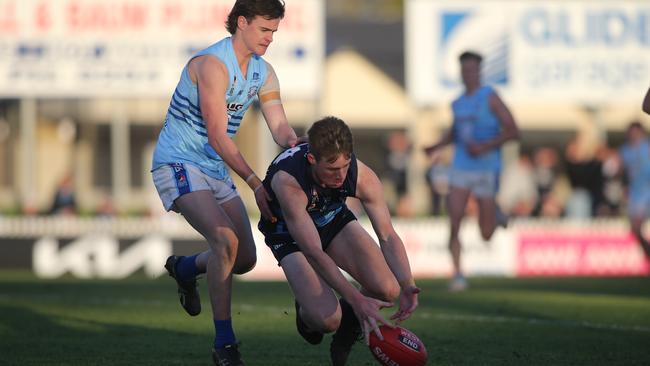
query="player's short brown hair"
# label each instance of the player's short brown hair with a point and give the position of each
(635, 125)
(330, 137)
(249, 9)
(470, 55)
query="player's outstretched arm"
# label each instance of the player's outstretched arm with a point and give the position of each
(370, 192)
(293, 201)
(211, 76)
(446, 139)
(509, 129)
(273, 111)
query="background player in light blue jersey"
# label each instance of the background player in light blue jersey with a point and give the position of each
(482, 123)
(195, 150)
(635, 154)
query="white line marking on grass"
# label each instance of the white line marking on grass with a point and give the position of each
(556, 322)
(485, 319)
(281, 310)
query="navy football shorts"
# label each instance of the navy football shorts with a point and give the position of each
(282, 244)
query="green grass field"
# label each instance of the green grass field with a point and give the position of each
(138, 321)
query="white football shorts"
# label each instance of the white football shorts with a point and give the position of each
(177, 179)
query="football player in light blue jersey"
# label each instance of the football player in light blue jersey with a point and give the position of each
(482, 123)
(195, 150)
(635, 155)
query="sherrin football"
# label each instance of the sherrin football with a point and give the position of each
(400, 347)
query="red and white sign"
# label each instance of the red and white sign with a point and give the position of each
(127, 48)
(579, 254)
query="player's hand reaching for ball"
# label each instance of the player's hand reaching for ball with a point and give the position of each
(408, 302)
(370, 318)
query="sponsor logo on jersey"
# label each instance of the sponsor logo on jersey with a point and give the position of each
(234, 107)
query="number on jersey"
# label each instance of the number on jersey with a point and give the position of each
(286, 153)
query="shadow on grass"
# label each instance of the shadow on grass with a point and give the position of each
(138, 321)
(76, 322)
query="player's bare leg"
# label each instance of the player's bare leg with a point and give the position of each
(487, 218)
(636, 225)
(457, 203)
(354, 250)
(317, 308)
(210, 220)
(246, 252)
(357, 253)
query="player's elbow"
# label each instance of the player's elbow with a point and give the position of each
(513, 134)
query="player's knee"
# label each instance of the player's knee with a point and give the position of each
(487, 234)
(323, 322)
(326, 325)
(245, 264)
(224, 243)
(330, 323)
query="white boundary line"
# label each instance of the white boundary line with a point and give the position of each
(533, 321)
(288, 310)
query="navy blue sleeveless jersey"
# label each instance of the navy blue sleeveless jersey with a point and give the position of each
(323, 204)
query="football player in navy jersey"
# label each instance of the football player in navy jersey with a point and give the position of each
(315, 235)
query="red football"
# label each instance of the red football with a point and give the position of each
(400, 347)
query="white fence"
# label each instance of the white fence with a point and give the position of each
(118, 247)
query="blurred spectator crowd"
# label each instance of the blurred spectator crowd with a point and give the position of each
(581, 180)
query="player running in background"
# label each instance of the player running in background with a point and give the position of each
(316, 234)
(195, 150)
(635, 154)
(482, 123)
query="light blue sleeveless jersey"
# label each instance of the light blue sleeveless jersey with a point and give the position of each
(184, 138)
(637, 166)
(474, 121)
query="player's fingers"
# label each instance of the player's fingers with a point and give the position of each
(378, 319)
(397, 315)
(404, 315)
(265, 194)
(265, 211)
(412, 307)
(384, 304)
(366, 332)
(375, 328)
